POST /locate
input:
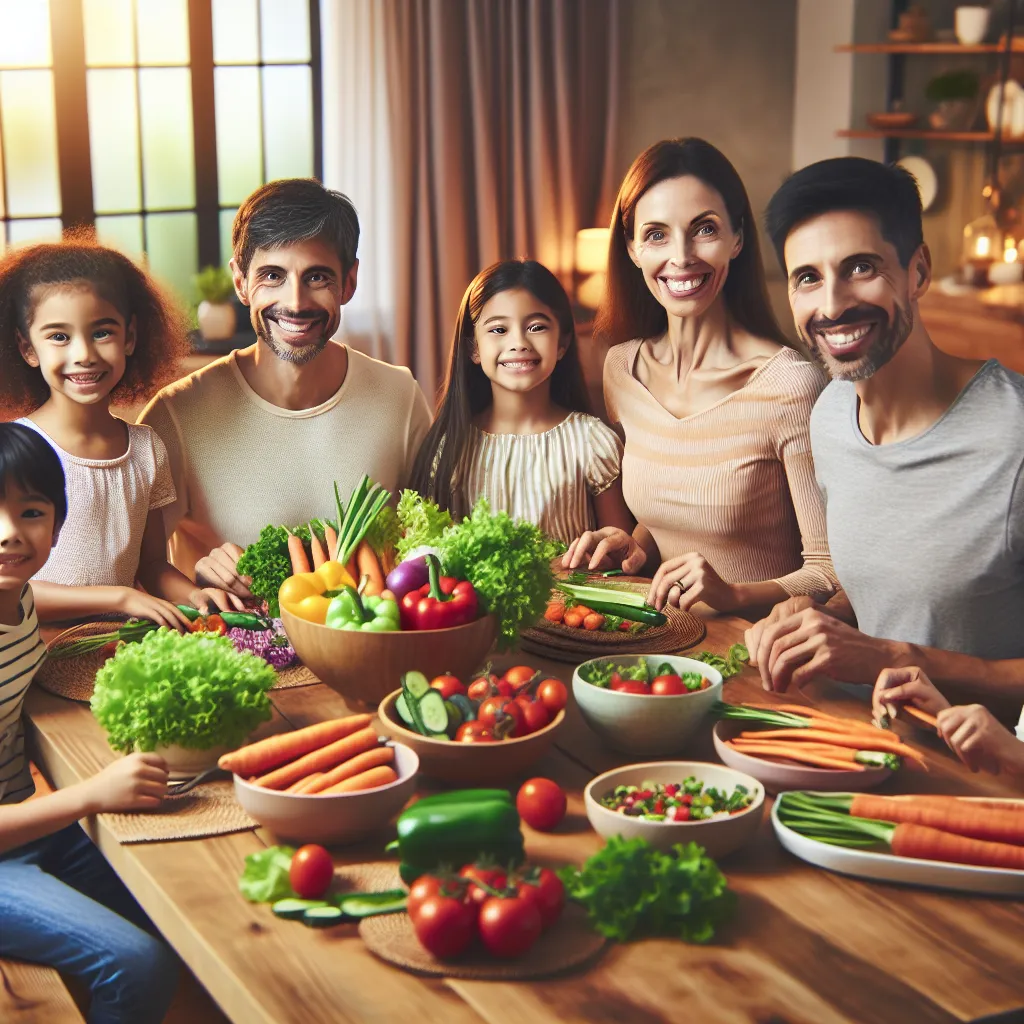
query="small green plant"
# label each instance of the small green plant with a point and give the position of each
(953, 85)
(214, 284)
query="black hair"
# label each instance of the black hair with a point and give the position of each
(467, 390)
(33, 465)
(292, 210)
(629, 310)
(886, 191)
(161, 331)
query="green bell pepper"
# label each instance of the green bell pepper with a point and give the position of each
(457, 828)
(369, 614)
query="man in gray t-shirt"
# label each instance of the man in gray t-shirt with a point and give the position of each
(919, 454)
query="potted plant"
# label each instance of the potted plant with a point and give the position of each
(956, 95)
(216, 313)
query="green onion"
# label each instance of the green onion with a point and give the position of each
(356, 519)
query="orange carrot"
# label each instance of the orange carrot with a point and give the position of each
(796, 753)
(593, 621)
(881, 741)
(555, 611)
(814, 713)
(260, 757)
(963, 820)
(375, 777)
(304, 785)
(366, 561)
(924, 843)
(921, 716)
(316, 548)
(322, 760)
(352, 569)
(829, 749)
(331, 537)
(297, 553)
(943, 802)
(354, 766)
(573, 618)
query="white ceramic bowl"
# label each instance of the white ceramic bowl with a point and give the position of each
(719, 836)
(639, 723)
(339, 818)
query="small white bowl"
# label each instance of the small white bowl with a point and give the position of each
(719, 836)
(338, 818)
(640, 723)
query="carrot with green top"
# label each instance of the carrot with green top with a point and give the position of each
(297, 554)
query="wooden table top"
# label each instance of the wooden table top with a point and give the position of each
(806, 946)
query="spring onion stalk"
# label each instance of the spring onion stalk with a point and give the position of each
(783, 719)
(819, 817)
(129, 633)
(356, 518)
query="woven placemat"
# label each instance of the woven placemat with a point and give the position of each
(209, 810)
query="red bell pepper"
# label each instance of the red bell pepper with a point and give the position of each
(439, 604)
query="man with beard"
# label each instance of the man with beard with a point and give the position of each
(919, 455)
(260, 436)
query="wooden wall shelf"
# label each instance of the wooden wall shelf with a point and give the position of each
(926, 133)
(922, 48)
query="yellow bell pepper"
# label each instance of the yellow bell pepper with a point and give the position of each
(305, 594)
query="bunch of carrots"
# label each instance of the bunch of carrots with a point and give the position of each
(343, 755)
(807, 736)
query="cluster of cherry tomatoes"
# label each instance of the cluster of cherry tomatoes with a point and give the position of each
(515, 704)
(505, 912)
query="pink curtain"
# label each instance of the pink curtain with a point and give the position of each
(503, 118)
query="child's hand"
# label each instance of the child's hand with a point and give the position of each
(222, 600)
(144, 606)
(137, 782)
(896, 686)
(609, 548)
(977, 738)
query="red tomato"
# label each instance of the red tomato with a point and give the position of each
(541, 804)
(474, 732)
(311, 871)
(481, 689)
(545, 889)
(422, 889)
(535, 715)
(630, 686)
(448, 686)
(509, 926)
(519, 675)
(664, 686)
(553, 695)
(493, 877)
(444, 925)
(495, 712)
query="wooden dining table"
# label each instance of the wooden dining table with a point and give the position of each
(805, 946)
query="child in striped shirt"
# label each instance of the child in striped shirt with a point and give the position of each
(61, 904)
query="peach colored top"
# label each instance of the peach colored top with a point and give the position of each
(733, 482)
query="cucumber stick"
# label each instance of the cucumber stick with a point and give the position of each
(402, 707)
(293, 909)
(605, 595)
(323, 917)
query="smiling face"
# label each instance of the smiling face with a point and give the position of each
(518, 340)
(683, 243)
(26, 535)
(852, 301)
(295, 294)
(78, 341)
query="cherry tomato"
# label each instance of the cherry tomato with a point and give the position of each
(553, 695)
(535, 715)
(630, 686)
(311, 871)
(493, 877)
(444, 925)
(495, 713)
(509, 926)
(481, 689)
(474, 732)
(422, 889)
(447, 686)
(545, 889)
(541, 804)
(664, 686)
(519, 675)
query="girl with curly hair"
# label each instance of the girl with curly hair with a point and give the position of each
(82, 327)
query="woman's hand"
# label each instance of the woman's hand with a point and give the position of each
(608, 548)
(690, 578)
(225, 602)
(977, 738)
(137, 782)
(140, 605)
(896, 686)
(219, 570)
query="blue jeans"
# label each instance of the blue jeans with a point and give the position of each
(62, 904)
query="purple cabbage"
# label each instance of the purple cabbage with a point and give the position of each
(272, 645)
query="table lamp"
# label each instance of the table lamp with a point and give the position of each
(1008, 270)
(591, 265)
(982, 241)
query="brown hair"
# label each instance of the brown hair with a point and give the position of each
(161, 333)
(629, 310)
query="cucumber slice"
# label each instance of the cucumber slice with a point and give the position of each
(292, 909)
(465, 705)
(442, 736)
(369, 904)
(433, 712)
(322, 917)
(403, 710)
(416, 684)
(412, 705)
(454, 717)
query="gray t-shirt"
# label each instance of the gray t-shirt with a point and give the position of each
(927, 534)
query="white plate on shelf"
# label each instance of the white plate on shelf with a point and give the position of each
(927, 180)
(886, 867)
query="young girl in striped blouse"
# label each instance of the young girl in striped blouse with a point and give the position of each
(512, 423)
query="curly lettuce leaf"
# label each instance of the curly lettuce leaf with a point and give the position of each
(265, 876)
(267, 563)
(421, 522)
(191, 690)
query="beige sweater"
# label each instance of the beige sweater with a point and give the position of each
(734, 482)
(240, 463)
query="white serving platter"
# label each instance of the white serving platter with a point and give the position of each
(885, 867)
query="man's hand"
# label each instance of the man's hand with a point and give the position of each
(608, 548)
(783, 610)
(219, 570)
(221, 599)
(896, 686)
(137, 782)
(810, 643)
(974, 735)
(690, 578)
(140, 605)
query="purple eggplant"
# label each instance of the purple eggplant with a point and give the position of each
(408, 575)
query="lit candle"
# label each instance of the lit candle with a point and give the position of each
(1010, 270)
(982, 246)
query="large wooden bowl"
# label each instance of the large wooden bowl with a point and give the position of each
(364, 667)
(470, 764)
